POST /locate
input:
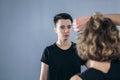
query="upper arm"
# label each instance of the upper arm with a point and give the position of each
(45, 56)
(44, 71)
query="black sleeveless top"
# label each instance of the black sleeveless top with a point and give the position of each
(94, 74)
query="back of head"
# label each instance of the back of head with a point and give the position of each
(100, 40)
(62, 16)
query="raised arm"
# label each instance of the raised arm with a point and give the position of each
(114, 17)
(80, 22)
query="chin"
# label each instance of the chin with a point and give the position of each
(65, 39)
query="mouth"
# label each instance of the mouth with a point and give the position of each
(66, 35)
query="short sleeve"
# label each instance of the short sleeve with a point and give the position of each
(45, 56)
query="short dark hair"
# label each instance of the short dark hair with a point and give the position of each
(62, 16)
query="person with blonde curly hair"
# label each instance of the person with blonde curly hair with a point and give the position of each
(99, 43)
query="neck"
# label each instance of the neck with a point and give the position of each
(102, 66)
(63, 44)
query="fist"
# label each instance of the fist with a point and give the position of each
(80, 23)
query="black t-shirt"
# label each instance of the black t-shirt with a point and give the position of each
(63, 64)
(94, 74)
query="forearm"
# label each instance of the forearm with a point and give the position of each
(80, 22)
(44, 71)
(114, 17)
(43, 77)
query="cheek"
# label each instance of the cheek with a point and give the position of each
(59, 32)
(70, 30)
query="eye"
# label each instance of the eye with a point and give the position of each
(69, 26)
(62, 27)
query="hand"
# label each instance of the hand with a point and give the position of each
(80, 23)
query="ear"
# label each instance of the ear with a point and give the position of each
(55, 29)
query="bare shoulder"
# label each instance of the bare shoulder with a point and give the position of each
(75, 77)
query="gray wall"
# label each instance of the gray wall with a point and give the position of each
(26, 28)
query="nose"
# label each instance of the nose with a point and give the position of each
(66, 30)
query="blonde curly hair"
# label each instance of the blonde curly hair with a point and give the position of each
(100, 40)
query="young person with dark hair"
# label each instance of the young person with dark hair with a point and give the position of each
(60, 60)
